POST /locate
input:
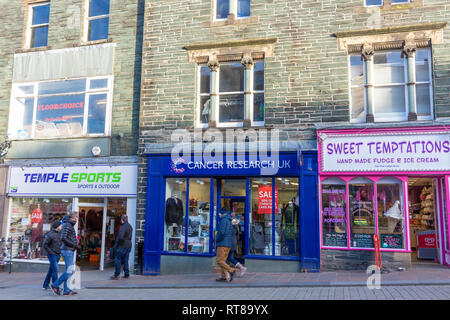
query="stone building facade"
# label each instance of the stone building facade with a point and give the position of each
(87, 53)
(305, 47)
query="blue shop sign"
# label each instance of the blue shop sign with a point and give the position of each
(283, 164)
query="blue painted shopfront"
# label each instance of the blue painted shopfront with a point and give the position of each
(244, 167)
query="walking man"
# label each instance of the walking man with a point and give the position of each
(224, 242)
(69, 245)
(123, 248)
(52, 245)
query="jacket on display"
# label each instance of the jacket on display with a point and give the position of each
(225, 232)
(124, 236)
(258, 237)
(68, 235)
(174, 211)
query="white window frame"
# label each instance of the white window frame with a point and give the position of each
(235, 124)
(230, 6)
(392, 117)
(253, 91)
(87, 92)
(430, 85)
(88, 19)
(30, 26)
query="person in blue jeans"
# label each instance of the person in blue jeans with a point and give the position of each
(69, 245)
(234, 240)
(123, 248)
(52, 245)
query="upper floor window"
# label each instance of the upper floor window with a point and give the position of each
(369, 3)
(97, 22)
(38, 22)
(240, 8)
(389, 80)
(60, 109)
(234, 94)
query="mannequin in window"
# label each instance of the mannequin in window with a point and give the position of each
(174, 210)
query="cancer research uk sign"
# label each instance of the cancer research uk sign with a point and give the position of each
(424, 151)
(73, 181)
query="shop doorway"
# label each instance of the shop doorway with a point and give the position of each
(426, 203)
(90, 232)
(232, 196)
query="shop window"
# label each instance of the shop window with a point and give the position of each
(390, 89)
(288, 226)
(362, 218)
(231, 97)
(260, 217)
(30, 220)
(60, 109)
(225, 7)
(39, 16)
(334, 213)
(97, 20)
(274, 231)
(391, 213)
(197, 222)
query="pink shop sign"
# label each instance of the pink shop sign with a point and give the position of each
(381, 152)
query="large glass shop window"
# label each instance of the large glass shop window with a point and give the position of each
(31, 219)
(194, 193)
(391, 213)
(287, 217)
(267, 229)
(175, 213)
(334, 213)
(59, 109)
(260, 217)
(362, 216)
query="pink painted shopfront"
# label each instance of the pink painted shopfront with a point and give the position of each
(390, 182)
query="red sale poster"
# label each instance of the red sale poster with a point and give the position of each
(265, 199)
(36, 216)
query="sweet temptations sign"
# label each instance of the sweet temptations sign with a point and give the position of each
(385, 151)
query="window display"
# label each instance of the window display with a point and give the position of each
(334, 213)
(261, 217)
(30, 220)
(362, 221)
(175, 214)
(288, 225)
(199, 215)
(391, 215)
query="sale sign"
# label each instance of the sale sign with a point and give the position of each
(265, 199)
(36, 216)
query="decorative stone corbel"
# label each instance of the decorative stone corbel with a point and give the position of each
(367, 53)
(247, 61)
(213, 63)
(409, 50)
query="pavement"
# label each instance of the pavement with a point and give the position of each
(418, 275)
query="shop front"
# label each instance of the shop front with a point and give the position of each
(392, 183)
(38, 196)
(277, 231)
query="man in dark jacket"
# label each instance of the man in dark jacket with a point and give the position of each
(69, 245)
(52, 245)
(223, 243)
(123, 248)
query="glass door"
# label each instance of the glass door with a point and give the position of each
(91, 230)
(232, 198)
